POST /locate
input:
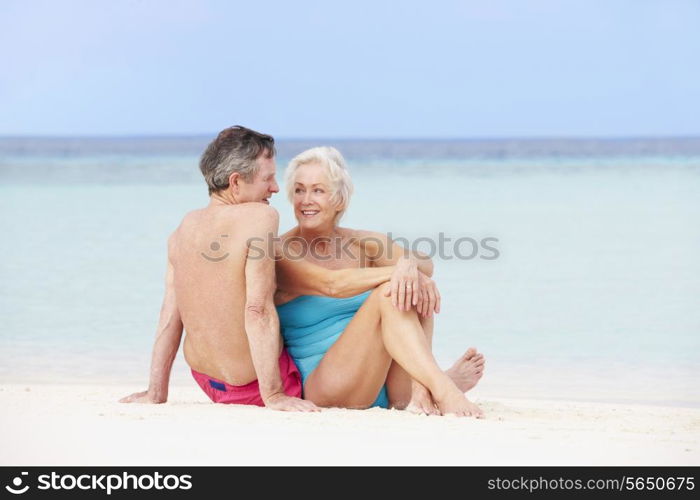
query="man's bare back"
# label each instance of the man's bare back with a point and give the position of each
(220, 283)
(208, 254)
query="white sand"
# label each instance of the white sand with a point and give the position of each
(84, 425)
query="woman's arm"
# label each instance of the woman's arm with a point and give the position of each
(299, 276)
(411, 285)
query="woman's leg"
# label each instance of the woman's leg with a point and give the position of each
(356, 366)
(403, 391)
(406, 393)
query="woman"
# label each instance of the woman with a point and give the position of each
(363, 337)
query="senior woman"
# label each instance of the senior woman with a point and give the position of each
(360, 335)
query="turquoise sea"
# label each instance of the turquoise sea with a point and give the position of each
(595, 294)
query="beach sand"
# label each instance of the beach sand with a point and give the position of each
(85, 425)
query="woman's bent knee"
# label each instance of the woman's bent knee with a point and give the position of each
(382, 292)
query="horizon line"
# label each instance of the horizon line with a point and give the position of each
(364, 139)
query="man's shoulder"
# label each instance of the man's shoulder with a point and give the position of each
(255, 208)
(190, 217)
(188, 220)
(239, 221)
(175, 236)
(253, 216)
(240, 212)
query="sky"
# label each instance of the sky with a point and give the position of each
(354, 69)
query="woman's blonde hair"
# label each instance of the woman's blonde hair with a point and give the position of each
(336, 169)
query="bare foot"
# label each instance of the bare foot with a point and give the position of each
(453, 402)
(421, 401)
(467, 370)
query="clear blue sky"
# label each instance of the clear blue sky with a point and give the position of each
(368, 69)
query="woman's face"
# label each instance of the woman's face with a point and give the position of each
(312, 198)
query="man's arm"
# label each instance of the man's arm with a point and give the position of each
(167, 342)
(261, 321)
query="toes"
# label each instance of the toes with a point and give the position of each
(471, 352)
(477, 412)
(434, 410)
(422, 408)
(414, 408)
(475, 361)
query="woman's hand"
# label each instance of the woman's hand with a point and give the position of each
(413, 288)
(404, 284)
(428, 298)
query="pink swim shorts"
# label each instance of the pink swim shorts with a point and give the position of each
(249, 394)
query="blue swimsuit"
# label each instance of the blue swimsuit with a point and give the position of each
(310, 326)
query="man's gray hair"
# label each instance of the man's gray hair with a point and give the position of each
(336, 169)
(235, 149)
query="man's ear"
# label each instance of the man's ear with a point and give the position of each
(234, 181)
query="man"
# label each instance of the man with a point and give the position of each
(220, 283)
